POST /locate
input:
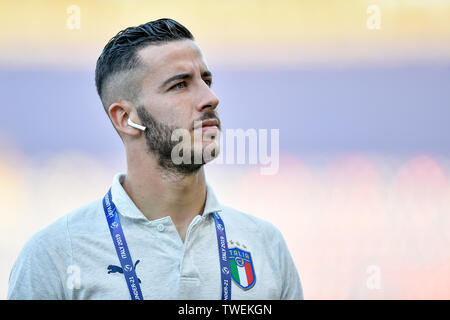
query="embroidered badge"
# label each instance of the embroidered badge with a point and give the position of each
(241, 264)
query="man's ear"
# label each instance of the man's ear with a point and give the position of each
(119, 113)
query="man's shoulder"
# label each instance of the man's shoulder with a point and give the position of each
(57, 234)
(40, 267)
(248, 221)
(86, 218)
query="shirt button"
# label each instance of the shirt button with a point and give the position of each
(160, 227)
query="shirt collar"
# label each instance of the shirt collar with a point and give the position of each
(126, 207)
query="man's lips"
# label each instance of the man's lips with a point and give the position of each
(208, 125)
(205, 128)
(211, 124)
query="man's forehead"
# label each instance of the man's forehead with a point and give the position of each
(172, 57)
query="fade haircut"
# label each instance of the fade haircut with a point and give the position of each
(119, 65)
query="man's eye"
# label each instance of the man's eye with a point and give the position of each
(180, 85)
(208, 82)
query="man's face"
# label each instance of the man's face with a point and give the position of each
(176, 94)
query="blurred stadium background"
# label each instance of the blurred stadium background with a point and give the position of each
(363, 191)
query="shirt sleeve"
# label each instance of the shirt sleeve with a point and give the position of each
(39, 271)
(291, 285)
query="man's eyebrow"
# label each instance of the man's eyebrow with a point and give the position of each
(184, 76)
(207, 73)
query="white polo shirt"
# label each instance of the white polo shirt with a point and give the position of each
(75, 258)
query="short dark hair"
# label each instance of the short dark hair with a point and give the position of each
(120, 53)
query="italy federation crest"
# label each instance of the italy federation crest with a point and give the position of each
(242, 271)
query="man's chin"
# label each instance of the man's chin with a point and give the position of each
(182, 168)
(190, 168)
(193, 163)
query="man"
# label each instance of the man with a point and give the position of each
(159, 233)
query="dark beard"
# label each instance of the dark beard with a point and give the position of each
(158, 139)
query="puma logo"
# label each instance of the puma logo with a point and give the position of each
(113, 269)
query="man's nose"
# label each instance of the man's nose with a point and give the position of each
(208, 99)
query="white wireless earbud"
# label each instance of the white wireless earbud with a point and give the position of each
(135, 125)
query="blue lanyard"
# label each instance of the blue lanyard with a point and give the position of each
(225, 271)
(126, 262)
(121, 247)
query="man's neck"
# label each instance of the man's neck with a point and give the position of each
(158, 194)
